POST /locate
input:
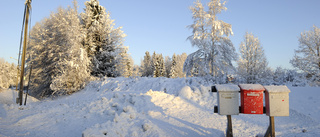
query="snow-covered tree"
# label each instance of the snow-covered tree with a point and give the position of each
(153, 61)
(136, 71)
(146, 66)
(174, 67)
(158, 65)
(103, 42)
(74, 71)
(280, 76)
(179, 67)
(252, 65)
(167, 64)
(125, 64)
(307, 57)
(60, 63)
(216, 51)
(8, 74)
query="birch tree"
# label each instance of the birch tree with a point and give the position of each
(211, 35)
(307, 56)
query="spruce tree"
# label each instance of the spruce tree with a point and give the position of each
(174, 67)
(146, 66)
(103, 42)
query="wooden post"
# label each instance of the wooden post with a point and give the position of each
(28, 5)
(25, 101)
(271, 129)
(229, 128)
(273, 133)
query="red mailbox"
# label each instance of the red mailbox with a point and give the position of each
(251, 98)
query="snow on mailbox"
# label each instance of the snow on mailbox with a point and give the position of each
(251, 98)
(228, 99)
(277, 100)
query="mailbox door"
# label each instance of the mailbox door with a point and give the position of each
(228, 103)
(277, 104)
(252, 102)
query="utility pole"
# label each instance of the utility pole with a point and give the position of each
(28, 7)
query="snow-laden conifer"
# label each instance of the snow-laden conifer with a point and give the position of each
(174, 67)
(146, 66)
(158, 65)
(103, 42)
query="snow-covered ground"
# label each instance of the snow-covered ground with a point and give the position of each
(149, 107)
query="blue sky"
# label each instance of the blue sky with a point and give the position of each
(160, 26)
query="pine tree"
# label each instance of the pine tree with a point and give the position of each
(252, 66)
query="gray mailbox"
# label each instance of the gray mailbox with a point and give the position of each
(228, 99)
(277, 100)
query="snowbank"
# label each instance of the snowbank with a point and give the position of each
(149, 107)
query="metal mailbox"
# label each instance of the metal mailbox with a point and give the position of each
(228, 99)
(277, 100)
(251, 98)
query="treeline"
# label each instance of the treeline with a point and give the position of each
(159, 66)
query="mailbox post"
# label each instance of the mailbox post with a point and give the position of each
(277, 104)
(228, 103)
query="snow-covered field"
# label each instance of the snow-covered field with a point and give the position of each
(149, 107)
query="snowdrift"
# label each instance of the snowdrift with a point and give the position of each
(149, 107)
